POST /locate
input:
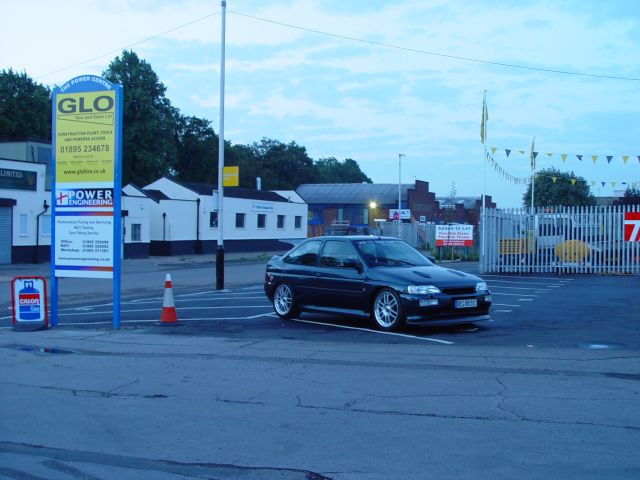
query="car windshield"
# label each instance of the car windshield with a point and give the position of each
(390, 253)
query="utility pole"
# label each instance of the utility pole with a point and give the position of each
(220, 246)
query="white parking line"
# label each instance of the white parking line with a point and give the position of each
(138, 310)
(513, 294)
(504, 311)
(489, 275)
(504, 305)
(375, 331)
(183, 300)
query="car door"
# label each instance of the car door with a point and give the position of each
(299, 270)
(340, 276)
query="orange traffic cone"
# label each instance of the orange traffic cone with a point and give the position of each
(168, 314)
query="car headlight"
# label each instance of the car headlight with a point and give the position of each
(422, 289)
(481, 287)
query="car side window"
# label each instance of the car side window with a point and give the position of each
(305, 254)
(338, 254)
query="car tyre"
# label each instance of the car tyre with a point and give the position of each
(284, 302)
(387, 312)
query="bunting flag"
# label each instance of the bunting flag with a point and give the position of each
(563, 156)
(525, 181)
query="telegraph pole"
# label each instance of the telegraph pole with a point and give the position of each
(220, 246)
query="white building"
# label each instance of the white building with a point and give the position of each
(184, 218)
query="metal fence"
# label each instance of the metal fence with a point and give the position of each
(561, 240)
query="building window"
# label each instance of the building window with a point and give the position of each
(239, 220)
(45, 225)
(262, 220)
(136, 232)
(298, 221)
(213, 219)
(280, 221)
(23, 224)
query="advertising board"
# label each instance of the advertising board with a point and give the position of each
(454, 235)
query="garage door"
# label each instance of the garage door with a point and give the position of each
(6, 232)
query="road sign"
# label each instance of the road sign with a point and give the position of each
(29, 303)
(632, 227)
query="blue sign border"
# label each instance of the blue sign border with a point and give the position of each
(91, 83)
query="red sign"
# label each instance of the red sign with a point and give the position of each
(632, 227)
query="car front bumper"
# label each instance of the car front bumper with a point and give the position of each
(444, 312)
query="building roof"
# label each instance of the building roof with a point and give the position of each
(156, 195)
(352, 193)
(235, 192)
(468, 202)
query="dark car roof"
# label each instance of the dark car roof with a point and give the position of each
(353, 238)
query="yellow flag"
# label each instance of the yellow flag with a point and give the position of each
(613, 184)
(573, 181)
(563, 156)
(554, 179)
(625, 158)
(594, 158)
(493, 150)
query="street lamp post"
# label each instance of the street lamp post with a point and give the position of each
(400, 155)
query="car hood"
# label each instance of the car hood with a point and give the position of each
(427, 275)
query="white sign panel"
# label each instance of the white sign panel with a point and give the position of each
(403, 214)
(84, 246)
(454, 235)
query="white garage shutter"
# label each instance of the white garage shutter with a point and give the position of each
(6, 232)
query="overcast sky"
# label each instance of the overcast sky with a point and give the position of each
(394, 86)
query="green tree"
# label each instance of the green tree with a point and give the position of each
(282, 166)
(631, 197)
(150, 123)
(553, 187)
(25, 107)
(330, 170)
(197, 151)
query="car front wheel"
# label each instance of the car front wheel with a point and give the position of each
(284, 302)
(387, 313)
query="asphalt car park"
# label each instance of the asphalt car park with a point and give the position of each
(530, 311)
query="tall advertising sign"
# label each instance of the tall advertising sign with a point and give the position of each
(87, 173)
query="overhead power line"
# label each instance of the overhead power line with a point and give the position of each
(352, 39)
(130, 45)
(436, 54)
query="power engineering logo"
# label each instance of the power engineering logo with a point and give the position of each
(85, 197)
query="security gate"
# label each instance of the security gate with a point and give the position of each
(559, 239)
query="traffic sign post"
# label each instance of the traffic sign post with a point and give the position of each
(29, 304)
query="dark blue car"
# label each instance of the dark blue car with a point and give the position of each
(383, 278)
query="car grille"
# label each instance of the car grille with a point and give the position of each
(459, 290)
